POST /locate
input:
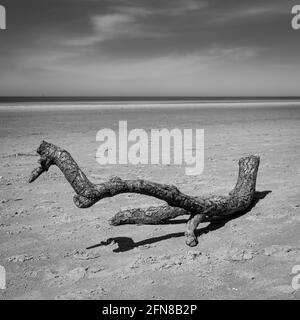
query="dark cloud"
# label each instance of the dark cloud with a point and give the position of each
(90, 39)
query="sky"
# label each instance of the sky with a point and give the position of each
(149, 48)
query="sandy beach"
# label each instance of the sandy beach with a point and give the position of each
(53, 250)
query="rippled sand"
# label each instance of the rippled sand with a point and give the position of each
(43, 236)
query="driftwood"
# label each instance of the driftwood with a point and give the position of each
(199, 208)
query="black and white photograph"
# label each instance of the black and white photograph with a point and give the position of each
(149, 151)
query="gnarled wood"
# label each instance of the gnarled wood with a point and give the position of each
(150, 215)
(88, 193)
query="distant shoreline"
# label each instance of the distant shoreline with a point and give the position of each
(136, 99)
(145, 105)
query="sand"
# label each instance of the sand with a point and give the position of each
(53, 250)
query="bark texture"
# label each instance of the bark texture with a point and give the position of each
(199, 208)
(150, 215)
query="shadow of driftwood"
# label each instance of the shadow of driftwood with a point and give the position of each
(126, 243)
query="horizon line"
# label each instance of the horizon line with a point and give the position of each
(136, 98)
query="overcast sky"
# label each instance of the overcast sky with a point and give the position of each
(149, 47)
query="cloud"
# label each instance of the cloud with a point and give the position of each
(124, 24)
(105, 27)
(111, 46)
(248, 12)
(213, 71)
(135, 20)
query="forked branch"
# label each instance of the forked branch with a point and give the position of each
(199, 208)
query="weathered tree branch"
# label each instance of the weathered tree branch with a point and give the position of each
(88, 193)
(150, 215)
(154, 215)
